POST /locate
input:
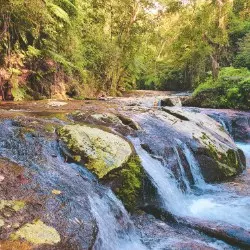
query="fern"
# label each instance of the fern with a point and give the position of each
(58, 12)
(66, 5)
(61, 59)
(33, 52)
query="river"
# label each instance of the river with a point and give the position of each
(199, 214)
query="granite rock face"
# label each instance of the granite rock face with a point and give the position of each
(100, 150)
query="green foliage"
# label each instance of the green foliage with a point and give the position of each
(112, 46)
(243, 56)
(58, 12)
(230, 90)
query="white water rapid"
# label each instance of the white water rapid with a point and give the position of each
(213, 203)
(111, 234)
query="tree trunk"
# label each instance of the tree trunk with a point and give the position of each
(215, 66)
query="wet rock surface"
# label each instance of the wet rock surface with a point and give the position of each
(161, 235)
(41, 188)
(100, 150)
(40, 170)
(165, 131)
(237, 123)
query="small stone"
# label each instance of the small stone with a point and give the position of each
(56, 192)
(6, 214)
(1, 223)
(16, 225)
(1, 178)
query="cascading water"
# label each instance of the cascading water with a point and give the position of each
(92, 209)
(194, 167)
(183, 175)
(214, 204)
(163, 179)
(193, 164)
(113, 233)
(245, 147)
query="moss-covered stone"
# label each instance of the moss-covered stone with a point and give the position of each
(99, 150)
(15, 205)
(37, 233)
(127, 182)
(50, 128)
(226, 161)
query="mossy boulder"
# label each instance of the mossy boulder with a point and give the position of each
(99, 150)
(173, 128)
(217, 154)
(127, 182)
(219, 161)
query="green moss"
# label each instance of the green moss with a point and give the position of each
(97, 166)
(77, 158)
(37, 233)
(130, 178)
(98, 150)
(50, 128)
(68, 140)
(15, 205)
(227, 162)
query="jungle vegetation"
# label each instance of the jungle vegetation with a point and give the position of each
(115, 45)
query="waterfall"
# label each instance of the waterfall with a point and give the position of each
(115, 230)
(167, 186)
(194, 167)
(216, 203)
(246, 149)
(193, 164)
(183, 174)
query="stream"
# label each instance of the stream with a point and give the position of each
(199, 215)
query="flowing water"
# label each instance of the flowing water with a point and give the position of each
(245, 147)
(184, 194)
(113, 233)
(217, 203)
(214, 203)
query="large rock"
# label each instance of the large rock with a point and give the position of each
(101, 151)
(172, 101)
(216, 152)
(167, 132)
(47, 203)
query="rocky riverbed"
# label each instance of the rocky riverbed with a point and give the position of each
(123, 173)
